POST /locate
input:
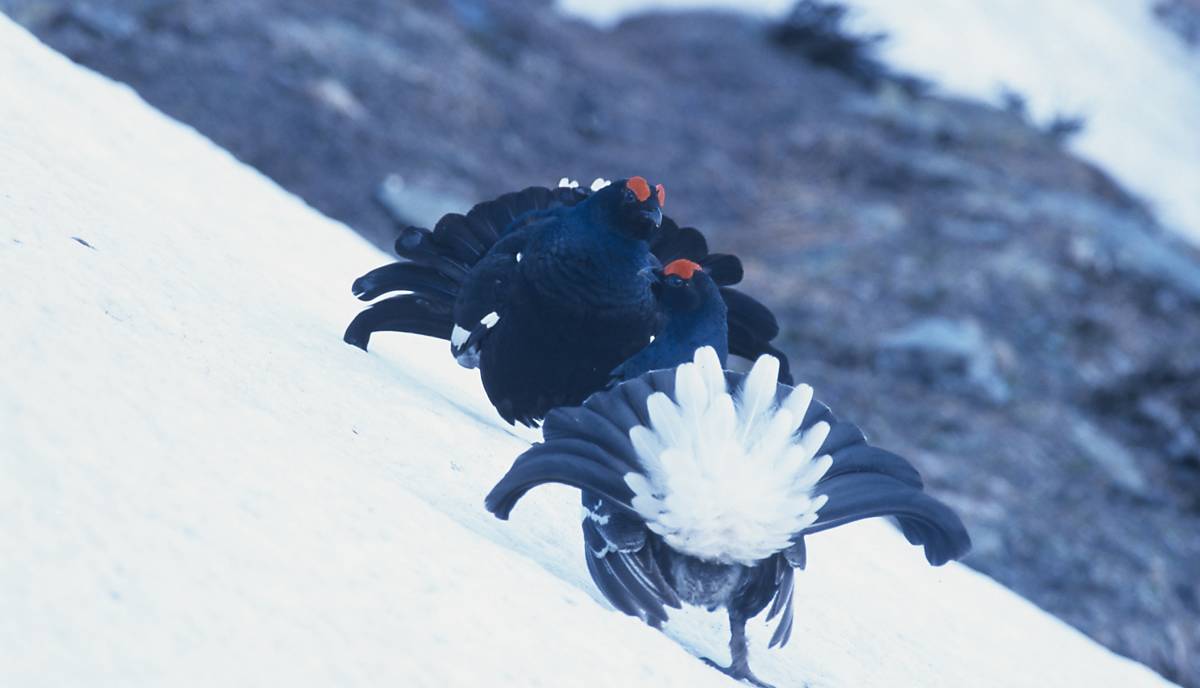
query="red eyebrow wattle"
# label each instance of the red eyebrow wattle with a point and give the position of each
(640, 188)
(683, 268)
(662, 195)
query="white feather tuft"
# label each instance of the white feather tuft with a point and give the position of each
(728, 481)
(798, 401)
(600, 183)
(567, 183)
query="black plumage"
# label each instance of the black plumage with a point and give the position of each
(547, 290)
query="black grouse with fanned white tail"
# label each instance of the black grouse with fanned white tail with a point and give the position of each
(546, 291)
(710, 481)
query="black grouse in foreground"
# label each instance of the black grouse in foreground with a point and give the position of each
(693, 315)
(546, 291)
(717, 477)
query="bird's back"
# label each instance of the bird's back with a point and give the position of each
(574, 309)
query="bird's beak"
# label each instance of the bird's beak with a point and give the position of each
(654, 215)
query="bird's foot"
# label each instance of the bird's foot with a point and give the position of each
(741, 672)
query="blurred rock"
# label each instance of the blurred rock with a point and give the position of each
(1115, 460)
(973, 231)
(109, 23)
(411, 205)
(946, 353)
(334, 95)
(1183, 445)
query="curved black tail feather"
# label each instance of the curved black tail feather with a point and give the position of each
(923, 519)
(404, 313)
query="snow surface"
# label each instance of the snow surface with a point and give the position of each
(1108, 60)
(202, 485)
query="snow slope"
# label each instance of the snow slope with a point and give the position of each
(201, 485)
(1108, 60)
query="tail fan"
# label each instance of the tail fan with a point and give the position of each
(437, 262)
(629, 445)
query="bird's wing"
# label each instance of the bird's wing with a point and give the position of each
(437, 264)
(481, 299)
(619, 530)
(622, 564)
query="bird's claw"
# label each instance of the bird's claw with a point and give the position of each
(741, 673)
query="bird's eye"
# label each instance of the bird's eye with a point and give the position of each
(629, 197)
(675, 281)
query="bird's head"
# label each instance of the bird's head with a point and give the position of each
(633, 207)
(683, 286)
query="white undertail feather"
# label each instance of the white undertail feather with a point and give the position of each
(728, 477)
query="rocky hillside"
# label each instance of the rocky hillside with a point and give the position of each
(989, 305)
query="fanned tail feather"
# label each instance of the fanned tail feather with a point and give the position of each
(411, 277)
(723, 268)
(438, 262)
(923, 519)
(752, 326)
(545, 463)
(672, 242)
(404, 313)
(417, 245)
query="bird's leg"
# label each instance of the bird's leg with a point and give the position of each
(739, 667)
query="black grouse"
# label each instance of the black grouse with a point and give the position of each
(693, 315)
(546, 291)
(707, 481)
